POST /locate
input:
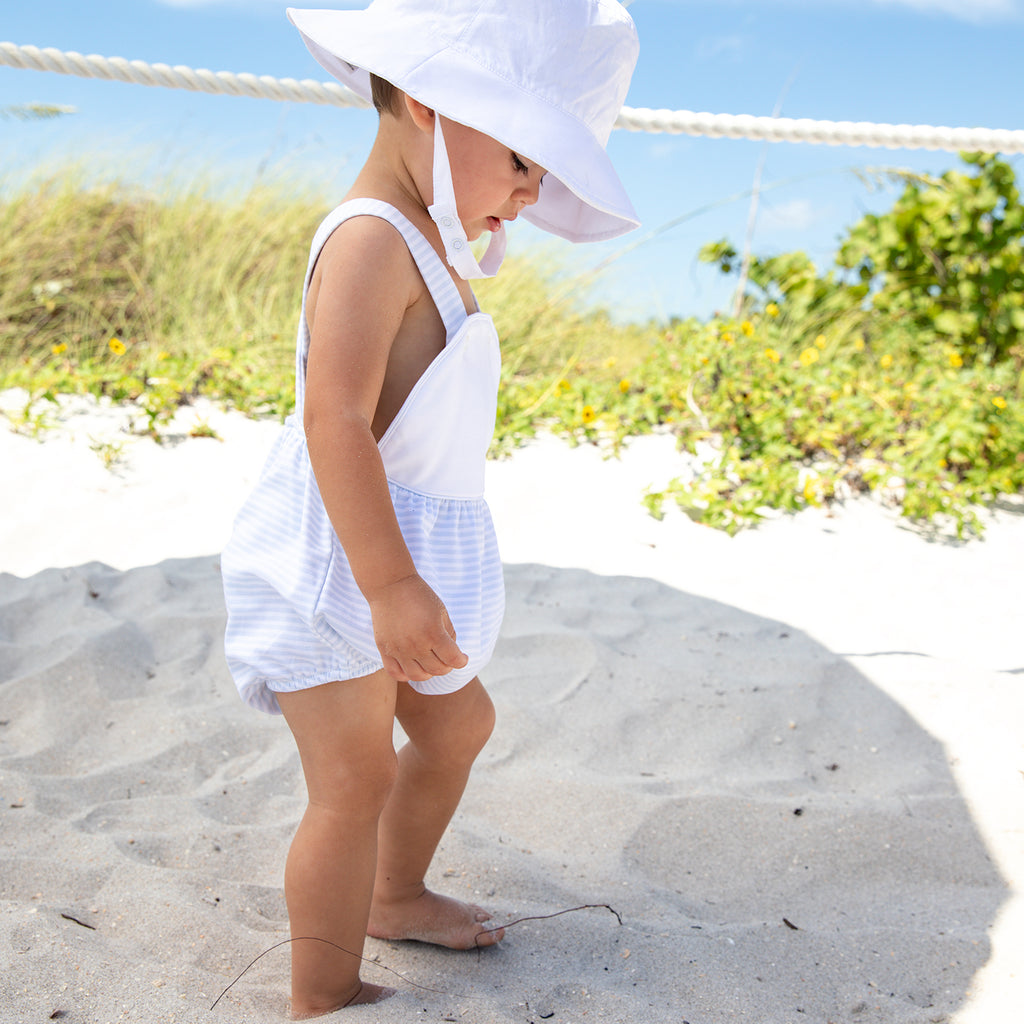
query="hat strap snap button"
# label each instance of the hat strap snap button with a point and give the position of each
(444, 214)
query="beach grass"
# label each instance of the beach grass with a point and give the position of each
(158, 298)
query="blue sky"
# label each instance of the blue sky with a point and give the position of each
(953, 62)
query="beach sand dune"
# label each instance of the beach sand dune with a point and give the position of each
(778, 774)
(781, 840)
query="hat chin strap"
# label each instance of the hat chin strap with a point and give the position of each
(445, 216)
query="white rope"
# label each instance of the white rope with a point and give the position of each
(679, 122)
(178, 77)
(828, 133)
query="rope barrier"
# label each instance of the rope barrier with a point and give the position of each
(179, 77)
(827, 133)
(678, 122)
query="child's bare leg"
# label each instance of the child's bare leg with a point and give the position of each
(445, 733)
(344, 734)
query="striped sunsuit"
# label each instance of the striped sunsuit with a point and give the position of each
(295, 615)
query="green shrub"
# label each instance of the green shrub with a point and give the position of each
(947, 260)
(795, 422)
(818, 391)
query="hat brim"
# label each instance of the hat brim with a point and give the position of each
(582, 198)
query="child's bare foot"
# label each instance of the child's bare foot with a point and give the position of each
(433, 918)
(366, 994)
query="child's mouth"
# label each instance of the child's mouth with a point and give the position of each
(493, 224)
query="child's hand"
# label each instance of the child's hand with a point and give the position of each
(413, 632)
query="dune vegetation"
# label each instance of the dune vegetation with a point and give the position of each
(898, 371)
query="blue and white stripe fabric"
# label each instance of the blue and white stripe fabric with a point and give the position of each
(295, 615)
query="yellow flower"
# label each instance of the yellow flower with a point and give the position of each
(772, 309)
(728, 337)
(117, 346)
(885, 362)
(956, 360)
(747, 328)
(588, 414)
(858, 345)
(771, 355)
(60, 349)
(624, 386)
(809, 356)
(819, 341)
(163, 355)
(610, 362)
(999, 402)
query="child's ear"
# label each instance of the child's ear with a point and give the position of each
(422, 116)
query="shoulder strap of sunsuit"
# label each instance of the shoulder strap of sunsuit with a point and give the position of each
(435, 275)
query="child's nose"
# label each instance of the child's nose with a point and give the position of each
(529, 193)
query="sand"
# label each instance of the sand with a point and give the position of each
(791, 762)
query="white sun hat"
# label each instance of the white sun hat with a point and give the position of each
(545, 77)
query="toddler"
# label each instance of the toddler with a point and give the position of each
(362, 578)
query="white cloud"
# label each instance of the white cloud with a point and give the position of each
(280, 4)
(795, 215)
(969, 10)
(964, 10)
(730, 48)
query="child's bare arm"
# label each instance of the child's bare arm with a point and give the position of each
(365, 282)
